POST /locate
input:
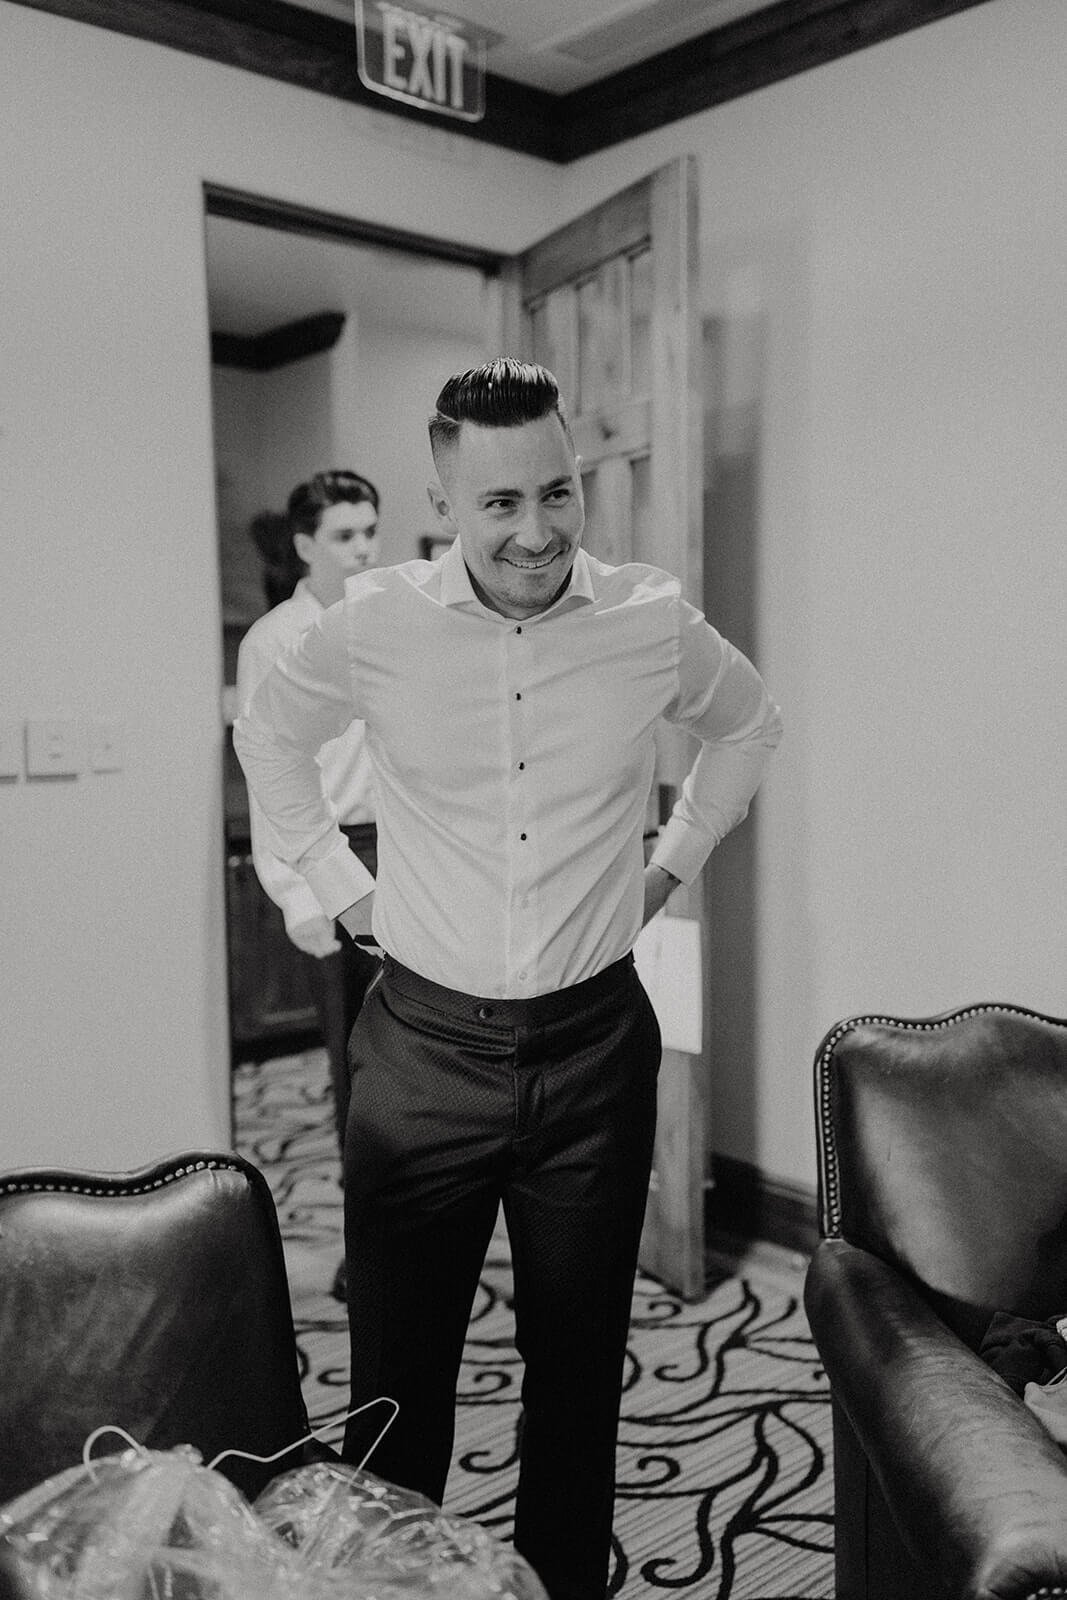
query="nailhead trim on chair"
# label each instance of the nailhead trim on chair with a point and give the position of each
(831, 1190)
(116, 1185)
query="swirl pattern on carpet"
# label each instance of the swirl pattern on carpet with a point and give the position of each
(724, 1489)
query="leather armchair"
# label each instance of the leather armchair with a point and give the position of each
(943, 1199)
(157, 1300)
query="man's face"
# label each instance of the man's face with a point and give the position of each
(344, 543)
(514, 497)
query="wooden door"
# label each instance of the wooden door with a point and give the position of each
(609, 304)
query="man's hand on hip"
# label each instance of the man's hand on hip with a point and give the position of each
(315, 937)
(659, 886)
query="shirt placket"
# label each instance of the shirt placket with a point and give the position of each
(522, 841)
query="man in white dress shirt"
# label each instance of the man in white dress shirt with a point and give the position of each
(508, 1054)
(333, 523)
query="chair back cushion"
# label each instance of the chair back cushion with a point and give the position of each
(943, 1149)
(157, 1300)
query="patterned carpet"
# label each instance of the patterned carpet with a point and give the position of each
(724, 1483)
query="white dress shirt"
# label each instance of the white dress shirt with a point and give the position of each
(512, 759)
(343, 763)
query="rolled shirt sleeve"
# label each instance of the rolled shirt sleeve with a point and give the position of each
(306, 699)
(283, 883)
(722, 700)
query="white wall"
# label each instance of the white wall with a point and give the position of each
(884, 245)
(113, 1032)
(884, 241)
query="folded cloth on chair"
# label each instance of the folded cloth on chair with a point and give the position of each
(1023, 1351)
(1048, 1402)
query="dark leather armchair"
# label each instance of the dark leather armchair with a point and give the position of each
(157, 1300)
(943, 1199)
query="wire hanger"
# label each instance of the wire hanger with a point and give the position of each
(247, 1455)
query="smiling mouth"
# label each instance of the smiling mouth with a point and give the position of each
(531, 566)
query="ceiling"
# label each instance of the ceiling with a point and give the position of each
(564, 45)
(260, 278)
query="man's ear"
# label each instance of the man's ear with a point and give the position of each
(304, 545)
(442, 508)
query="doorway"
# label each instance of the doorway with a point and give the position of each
(329, 342)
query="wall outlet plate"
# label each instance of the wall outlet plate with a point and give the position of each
(53, 748)
(10, 748)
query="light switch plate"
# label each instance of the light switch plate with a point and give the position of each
(10, 749)
(53, 748)
(107, 746)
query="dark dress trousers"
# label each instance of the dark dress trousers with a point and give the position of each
(547, 1106)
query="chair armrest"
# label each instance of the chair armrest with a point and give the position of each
(976, 1486)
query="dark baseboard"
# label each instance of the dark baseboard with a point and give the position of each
(743, 1203)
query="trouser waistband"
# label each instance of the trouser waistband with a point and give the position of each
(534, 1012)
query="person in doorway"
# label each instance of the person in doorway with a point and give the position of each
(508, 1054)
(332, 521)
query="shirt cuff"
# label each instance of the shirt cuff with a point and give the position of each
(298, 905)
(338, 880)
(681, 850)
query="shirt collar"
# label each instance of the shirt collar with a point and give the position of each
(457, 589)
(303, 592)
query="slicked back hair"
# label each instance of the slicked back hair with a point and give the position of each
(309, 500)
(503, 393)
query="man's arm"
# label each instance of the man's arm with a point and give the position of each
(659, 886)
(304, 700)
(306, 924)
(723, 701)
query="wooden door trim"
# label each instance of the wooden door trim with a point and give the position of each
(626, 428)
(241, 205)
(620, 224)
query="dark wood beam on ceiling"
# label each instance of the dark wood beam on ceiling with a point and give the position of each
(312, 51)
(765, 47)
(302, 47)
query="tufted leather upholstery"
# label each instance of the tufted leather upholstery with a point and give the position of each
(154, 1299)
(943, 1198)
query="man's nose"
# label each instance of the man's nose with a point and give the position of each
(534, 534)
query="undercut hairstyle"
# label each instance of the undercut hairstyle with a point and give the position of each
(503, 393)
(309, 500)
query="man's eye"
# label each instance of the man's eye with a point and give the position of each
(557, 496)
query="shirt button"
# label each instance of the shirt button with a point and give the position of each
(518, 630)
(484, 1013)
(522, 766)
(522, 977)
(518, 696)
(522, 836)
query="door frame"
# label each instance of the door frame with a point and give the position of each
(241, 205)
(683, 1087)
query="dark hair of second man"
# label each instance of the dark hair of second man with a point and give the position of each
(309, 500)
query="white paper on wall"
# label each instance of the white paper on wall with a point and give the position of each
(667, 956)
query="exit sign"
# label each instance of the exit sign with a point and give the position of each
(424, 58)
